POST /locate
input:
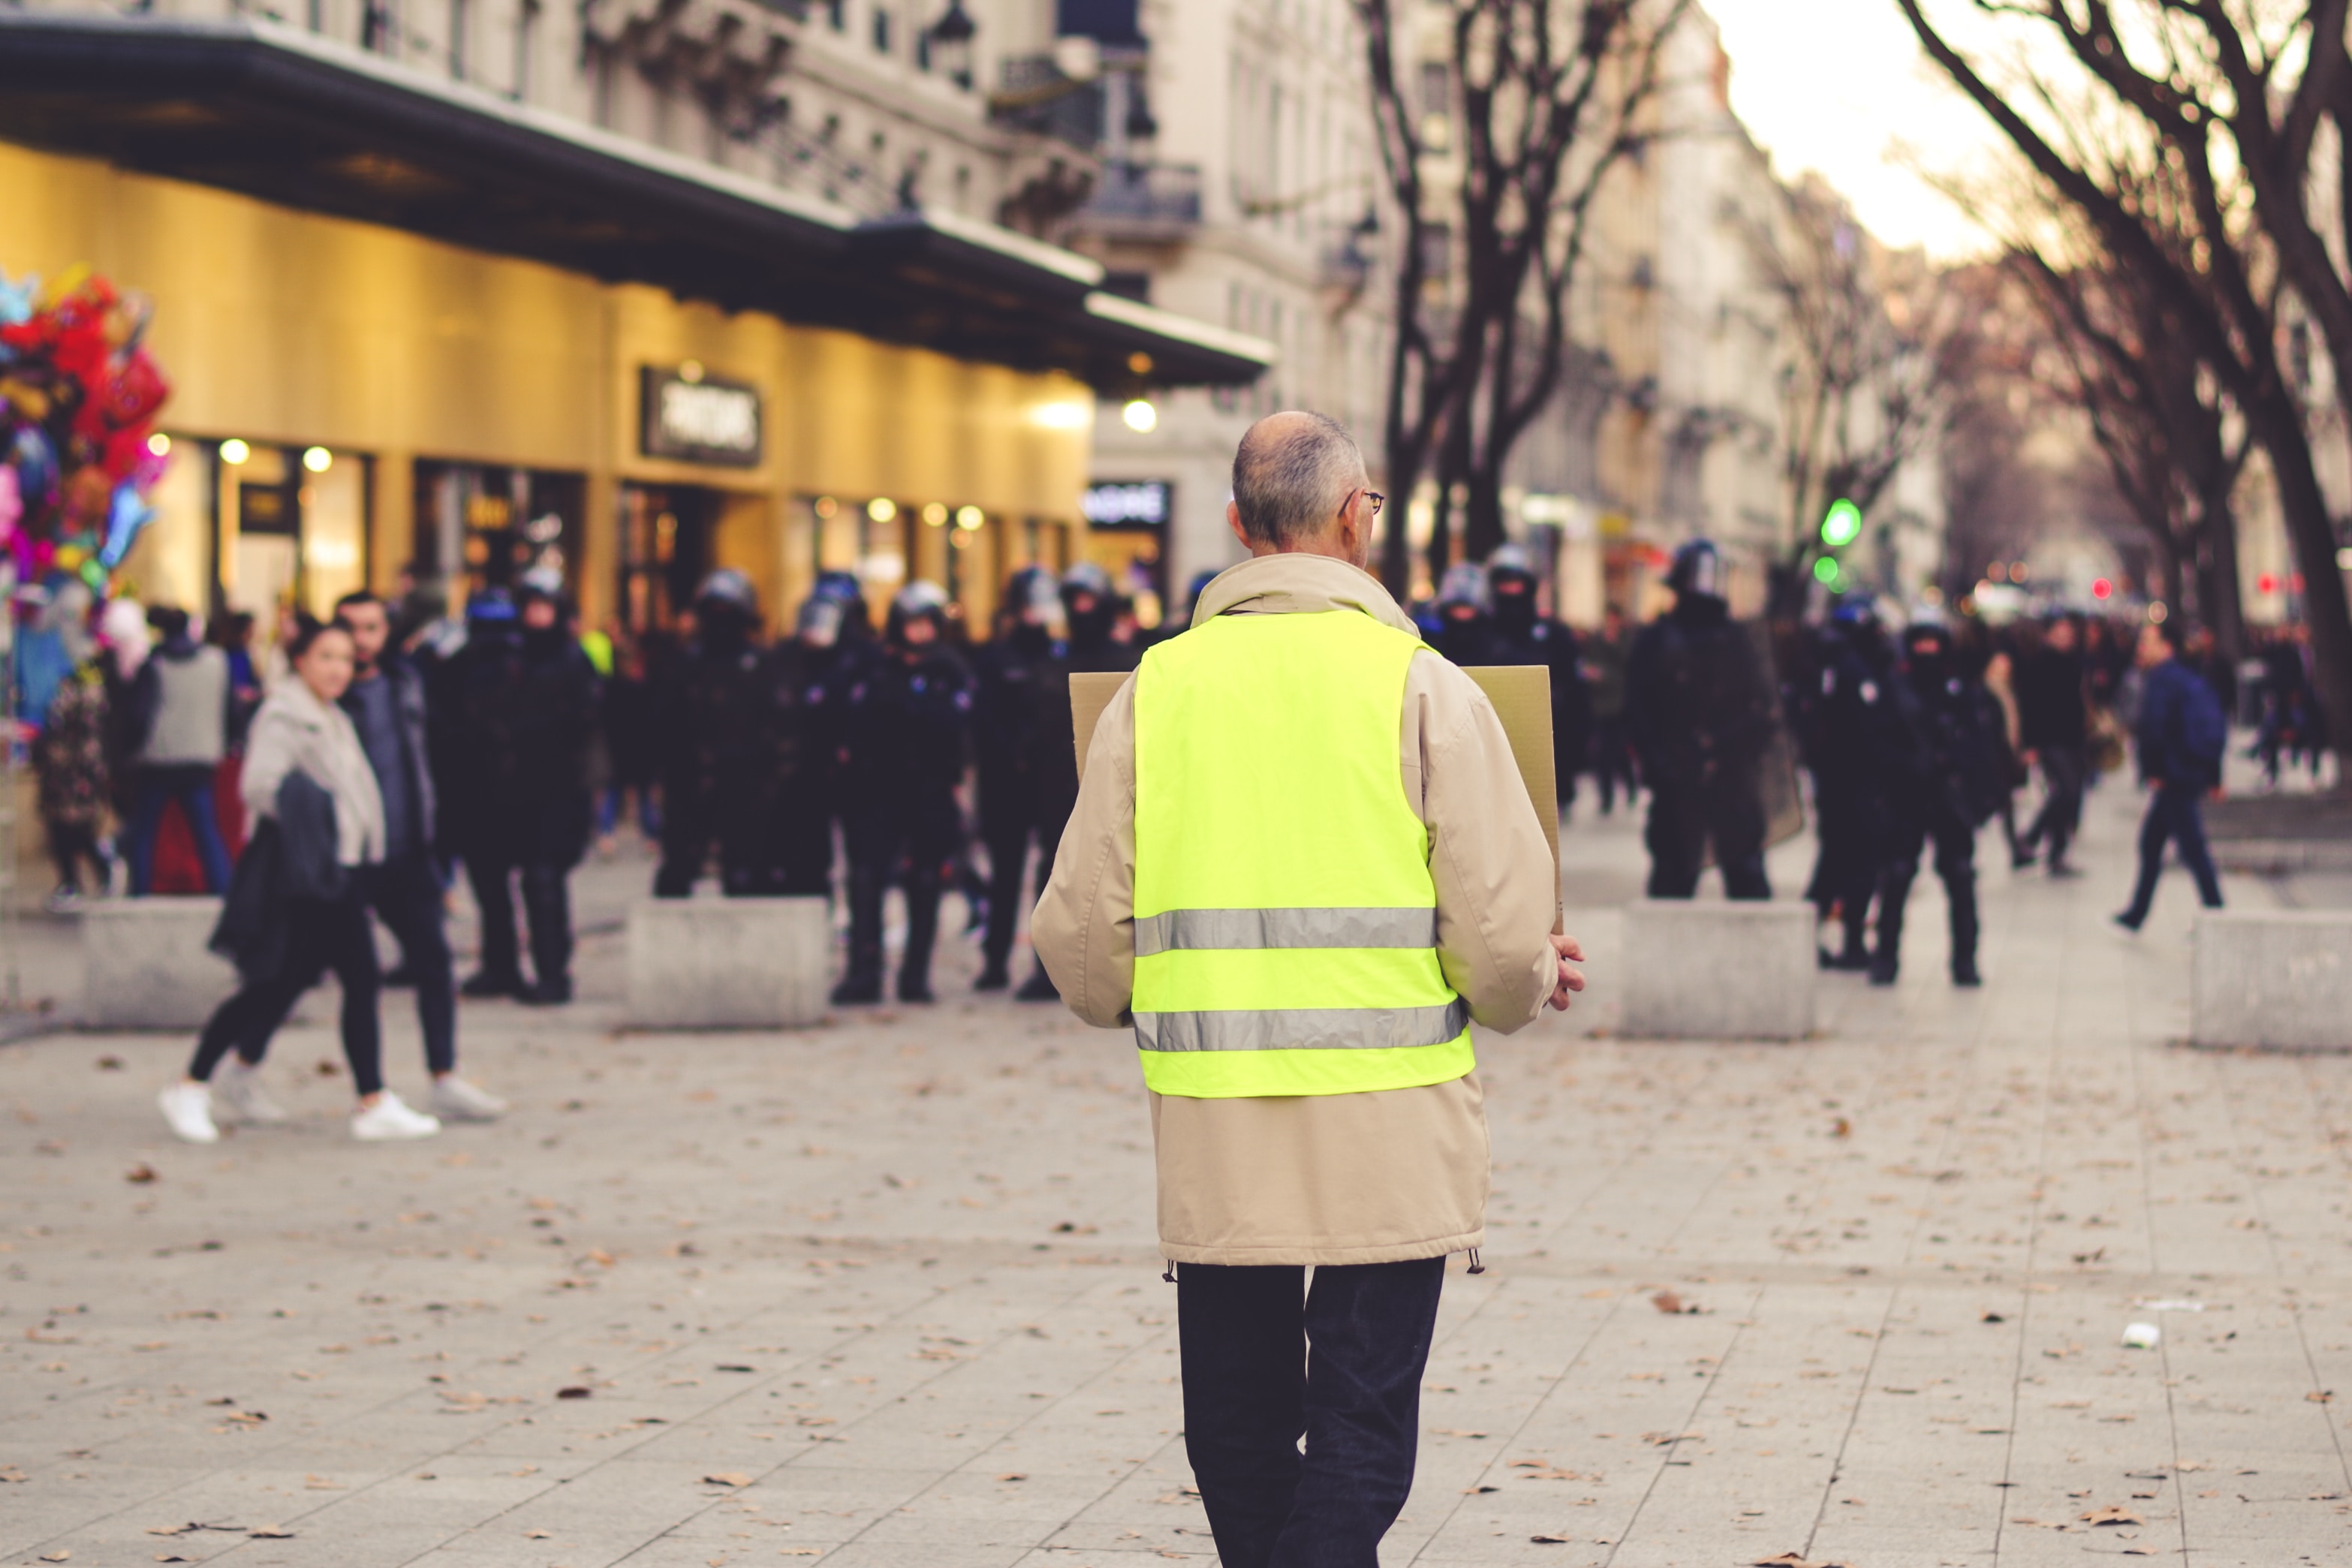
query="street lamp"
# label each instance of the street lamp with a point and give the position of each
(950, 39)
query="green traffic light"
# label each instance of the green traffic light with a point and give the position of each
(1843, 525)
(1825, 571)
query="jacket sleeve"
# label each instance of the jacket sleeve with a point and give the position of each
(269, 756)
(1497, 886)
(1083, 926)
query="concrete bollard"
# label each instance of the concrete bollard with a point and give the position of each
(2272, 976)
(145, 965)
(1718, 971)
(727, 963)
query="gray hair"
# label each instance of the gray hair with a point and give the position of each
(1291, 474)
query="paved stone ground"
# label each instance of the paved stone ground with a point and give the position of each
(884, 1292)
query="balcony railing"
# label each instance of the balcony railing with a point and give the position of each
(1143, 199)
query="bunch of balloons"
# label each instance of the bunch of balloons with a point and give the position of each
(79, 449)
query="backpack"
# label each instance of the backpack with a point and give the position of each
(2204, 730)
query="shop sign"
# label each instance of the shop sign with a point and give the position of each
(695, 416)
(1128, 503)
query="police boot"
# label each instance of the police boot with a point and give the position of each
(862, 982)
(922, 933)
(1855, 957)
(1964, 937)
(1038, 988)
(1887, 962)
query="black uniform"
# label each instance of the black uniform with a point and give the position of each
(907, 719)
(1518, 636)
(1699, 704)
(1023, 686)
(737, 762)
(524, 726)
(1844, 715)
(1942, 782)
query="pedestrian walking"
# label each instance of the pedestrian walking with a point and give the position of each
(1699, 695)
(1021, 730)
(178, 733)
(907, 716)
(297, 906)
(2053, 733)
(1301, 863)
(1943, 781)
(387, 704)
(2180, 737)
(71, 766)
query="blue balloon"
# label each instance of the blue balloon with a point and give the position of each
(17, 299)
(126, 515)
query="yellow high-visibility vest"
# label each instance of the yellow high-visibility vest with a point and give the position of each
(1286, 924)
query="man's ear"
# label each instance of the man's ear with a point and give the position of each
(1233, 521)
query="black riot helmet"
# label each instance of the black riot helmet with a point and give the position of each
(919, 601)
(1697, 569)
(726, 607)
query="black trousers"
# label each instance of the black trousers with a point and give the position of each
(765, 849)
(324, 935)
(72, 843)
(2063, 770)
(1612, 760)
(1956, 863)
(1725, 808)
(1267, 1362)
(546, 903)
(1008, 864)
(405, 895)
(2173, 816)
(909, 842)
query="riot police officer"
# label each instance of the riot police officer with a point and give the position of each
(1024, 682)
(1843, 716)
(729, 736)
(1521, 636)
(1700, 706)
(1464, 631)
(1942, 784)
(906, 717)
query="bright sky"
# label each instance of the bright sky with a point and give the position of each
(1836, 84)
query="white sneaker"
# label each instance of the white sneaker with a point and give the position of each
(454, 1099)
(188, 1107)
(389, 1118)
(244, 1098)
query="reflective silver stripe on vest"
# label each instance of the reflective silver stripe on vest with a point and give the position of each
(1303, 1028)
(1230, 930)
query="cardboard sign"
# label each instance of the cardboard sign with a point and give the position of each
(1521, 694)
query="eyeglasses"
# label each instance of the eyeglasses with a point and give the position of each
(1374, 497)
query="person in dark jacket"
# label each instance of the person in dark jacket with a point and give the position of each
(1942, 781)
(387, 705)
(2180, 738)
(732, 750)
(1699, 701)
(1464, 631)
(1023, 682)
(297, 907)
(525, 734)
(2053, 733)
(1843, 724)
(1605, 677)
(1520, 636)
(907, 717)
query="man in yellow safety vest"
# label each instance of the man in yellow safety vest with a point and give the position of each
(1302, 862)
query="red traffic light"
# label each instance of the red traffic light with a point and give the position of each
(2103, 589)
(2267, 583)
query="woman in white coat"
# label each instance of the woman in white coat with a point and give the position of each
(300, 730)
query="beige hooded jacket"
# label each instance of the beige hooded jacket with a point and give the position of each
(1340, 1178)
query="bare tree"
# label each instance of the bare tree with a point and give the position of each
(1866, 384)
(2218, 98)
(1544, 97)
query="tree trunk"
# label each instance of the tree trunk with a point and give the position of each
(1481, 518)
(2225, 608)
(2305, 506)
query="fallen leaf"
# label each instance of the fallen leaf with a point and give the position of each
(537, 1535)
(1013, 1476)
(1551, 1540)
(573, 1393)
(55, 1556)
(729, 1479)
(140, 1174)
(801, 1552)
(1841, 1128)
(1454, 1432)
(1666, 1302)
(2113, 1513)
(1791, 1559)
(269, 1532)
(110, 1064)
(1992, 1318)
(2322, 1397)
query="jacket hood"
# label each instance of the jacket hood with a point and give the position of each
(1298, 584)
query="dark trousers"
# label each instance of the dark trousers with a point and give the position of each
(910, 843)
(190, 787)
(546, 903)
(2173, 816)
(765, 850)
(1266, 1362)
(1008, 867)
(405, 895)
(1956, 863)
(72, 843)
(1613, 762)
(322, 937)
(2062, 771)
(1725, 808)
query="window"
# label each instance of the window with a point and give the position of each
(836, 15)
(458, 28)
(882, 29)
(526, 39)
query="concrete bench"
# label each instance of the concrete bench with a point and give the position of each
(727, 963)
(2272, 976)
(1718, 971)
(145, 965)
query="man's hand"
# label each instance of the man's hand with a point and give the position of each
(1570, 979)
